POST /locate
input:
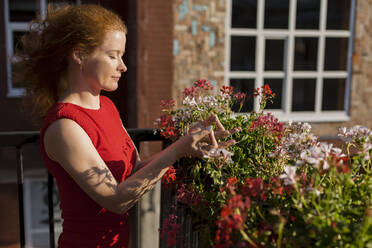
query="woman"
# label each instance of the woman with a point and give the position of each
(67, 60)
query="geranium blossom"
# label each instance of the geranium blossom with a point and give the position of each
(289, 175)
(278, 186)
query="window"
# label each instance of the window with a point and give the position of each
(301, 48)
(17, 14)
(36, 212)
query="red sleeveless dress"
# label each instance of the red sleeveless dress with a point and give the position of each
(85, 223)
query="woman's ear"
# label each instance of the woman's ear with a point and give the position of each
(77, 56)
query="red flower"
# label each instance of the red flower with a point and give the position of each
(256, 92)
(266, 90)
(240, 95)
(254, 187)
(226, 211)
(204, 84)
(227, 90)
(169, 176)
(167, 104)
(171, 228)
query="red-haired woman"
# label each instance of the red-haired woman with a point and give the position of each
(67, 59)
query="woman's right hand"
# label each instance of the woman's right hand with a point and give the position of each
(202, 138)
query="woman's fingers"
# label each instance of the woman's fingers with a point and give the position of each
(214, 120)
(226, 133)
(226, 144)
(213, 140)
(201, 133)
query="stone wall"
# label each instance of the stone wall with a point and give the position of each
(198, 42)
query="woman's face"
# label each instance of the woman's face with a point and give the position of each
(102, 69)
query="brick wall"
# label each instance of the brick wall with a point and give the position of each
(154, 58)
(154, 83)
(198, 42)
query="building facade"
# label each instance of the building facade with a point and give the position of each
(315, 55)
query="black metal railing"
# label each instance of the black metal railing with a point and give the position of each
(20, 139)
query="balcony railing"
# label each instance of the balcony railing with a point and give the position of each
(20, 139)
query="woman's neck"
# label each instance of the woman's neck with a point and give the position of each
(78, 90)
(82, 98)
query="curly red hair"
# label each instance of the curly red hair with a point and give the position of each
(41, 63)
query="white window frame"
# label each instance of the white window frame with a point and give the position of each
(288, 35)
(10, 27)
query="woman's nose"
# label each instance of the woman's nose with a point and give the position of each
(122, 66)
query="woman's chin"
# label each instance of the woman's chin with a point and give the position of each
(112, 87)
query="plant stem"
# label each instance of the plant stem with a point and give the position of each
(247, 238)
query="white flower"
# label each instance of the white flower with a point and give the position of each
(325, 165)
(219, 153)
(317, 192)
(190, 101)
(289, 176)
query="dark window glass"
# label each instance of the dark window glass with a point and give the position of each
(336, 54)
(338, 14)
(16, 45)
(276, 14)
(274, 55)
(22, 10)
(307, 14)
(276, 85)
(15, 68)
(244, 14)
(243, 53)
(306, 53)
(61, 1)
(17, 35)
(244, 86)
(303, 95)
(333, 94)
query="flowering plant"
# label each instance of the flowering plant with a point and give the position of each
(278, 186)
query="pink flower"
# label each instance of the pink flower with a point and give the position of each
(167, 104)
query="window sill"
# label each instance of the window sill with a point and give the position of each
(16, 92)
(325, 116)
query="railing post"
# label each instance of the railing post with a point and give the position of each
(20, 195)
(51, 210)
(135, 219)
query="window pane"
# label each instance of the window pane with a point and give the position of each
(244, 14)
(276, 85)
(306, 53)
(338, 14)
(333, 94)
(40, 240)
(16, 45)
(274, 55)
(62, 1)
(307, 14)
(17, 40)
(23, 10)
(303, 96)
(244, 86)
(276, 14)
(243, 53)
(336, 54)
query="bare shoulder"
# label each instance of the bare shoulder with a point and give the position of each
(68, 144)
(65, 141)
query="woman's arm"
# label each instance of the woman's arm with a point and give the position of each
(219, 133)
(68, 144)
